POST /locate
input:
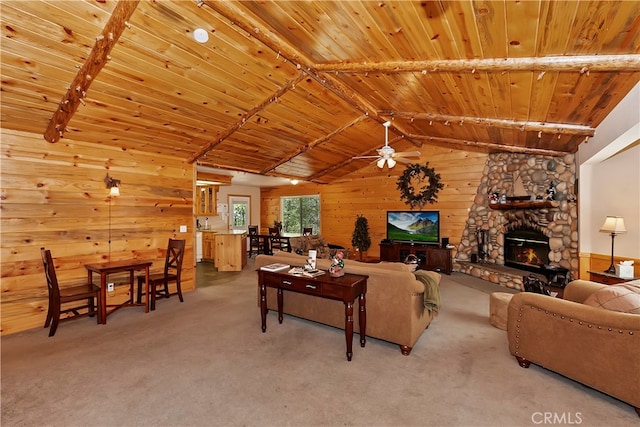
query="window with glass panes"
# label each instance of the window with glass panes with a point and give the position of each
(299, 212)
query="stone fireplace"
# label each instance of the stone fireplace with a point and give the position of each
(526, 249)
(521, 230)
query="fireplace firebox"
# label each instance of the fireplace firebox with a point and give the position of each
(526, 249)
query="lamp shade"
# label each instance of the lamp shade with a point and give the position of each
(614, 225)
(115, 191)
(380, 162)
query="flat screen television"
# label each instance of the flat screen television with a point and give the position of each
(414, 226)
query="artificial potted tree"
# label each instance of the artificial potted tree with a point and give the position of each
(360, 238)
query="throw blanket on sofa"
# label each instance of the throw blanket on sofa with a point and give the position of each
(431, 289)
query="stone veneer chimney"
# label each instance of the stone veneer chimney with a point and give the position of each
(558, 220)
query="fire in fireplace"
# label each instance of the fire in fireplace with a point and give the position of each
(526, 249)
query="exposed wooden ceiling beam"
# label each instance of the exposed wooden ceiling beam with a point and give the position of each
(213, 177)
(255, 110)
(313, 144)
(556, 128)
(209, 164)
(580, 64)
(97, 59)
(489, 146)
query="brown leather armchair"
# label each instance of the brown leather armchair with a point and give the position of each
(596, 347)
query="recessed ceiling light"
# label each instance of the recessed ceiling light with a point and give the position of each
(200, 35)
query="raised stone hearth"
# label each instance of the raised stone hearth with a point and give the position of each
(556, 217)
(508, 277)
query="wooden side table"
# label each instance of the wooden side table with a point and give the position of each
(348, 289)
(608, 278)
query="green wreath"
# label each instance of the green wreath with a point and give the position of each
(429, 193)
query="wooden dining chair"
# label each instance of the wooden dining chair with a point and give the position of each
(277, 241)
(171, 273)
(254, 241)
(86, 296)
(307, 231)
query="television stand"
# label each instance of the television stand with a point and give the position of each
(429, 257)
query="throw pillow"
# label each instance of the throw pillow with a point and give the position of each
(622, 297)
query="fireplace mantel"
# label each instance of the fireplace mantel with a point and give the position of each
(537, 204)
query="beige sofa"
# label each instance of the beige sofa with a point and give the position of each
(394, 301)
(595, 346)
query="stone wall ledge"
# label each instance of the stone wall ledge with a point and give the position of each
(499, 274)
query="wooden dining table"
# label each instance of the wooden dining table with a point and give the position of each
(266, 239)
(104, 269)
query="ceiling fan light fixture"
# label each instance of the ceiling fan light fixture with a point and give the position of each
(391, 162)
(380, 162)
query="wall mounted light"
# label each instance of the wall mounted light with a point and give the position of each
(113, 185)
(613, 225)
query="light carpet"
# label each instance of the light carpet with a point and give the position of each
(205, 362)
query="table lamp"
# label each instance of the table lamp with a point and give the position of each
(613, 225)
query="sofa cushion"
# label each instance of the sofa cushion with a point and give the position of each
(302, 245)
(622, 297)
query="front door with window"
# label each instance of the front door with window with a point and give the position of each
(239, 212)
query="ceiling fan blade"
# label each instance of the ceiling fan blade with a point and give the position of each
(407, 154)
(402, 160)
(366, 157)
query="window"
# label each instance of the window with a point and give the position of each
(300, 212)
(240, 212)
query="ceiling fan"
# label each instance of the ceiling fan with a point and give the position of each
(387, 154)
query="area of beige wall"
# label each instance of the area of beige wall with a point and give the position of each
(609, 180)
(615, 191)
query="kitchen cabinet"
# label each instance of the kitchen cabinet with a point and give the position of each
(230, 251)
(206, 199)
(226, 249)
(208, 246)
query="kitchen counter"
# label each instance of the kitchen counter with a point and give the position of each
(226, 248)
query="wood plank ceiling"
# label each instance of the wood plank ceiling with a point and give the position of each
(297, 88)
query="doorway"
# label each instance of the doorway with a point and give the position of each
(239, 212)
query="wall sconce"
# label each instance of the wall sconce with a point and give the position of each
(112, 184)
(613, 225)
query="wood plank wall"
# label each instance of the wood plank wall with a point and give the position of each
(54, 196)
(372, 192)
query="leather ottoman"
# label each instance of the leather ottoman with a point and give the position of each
(498, 303)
